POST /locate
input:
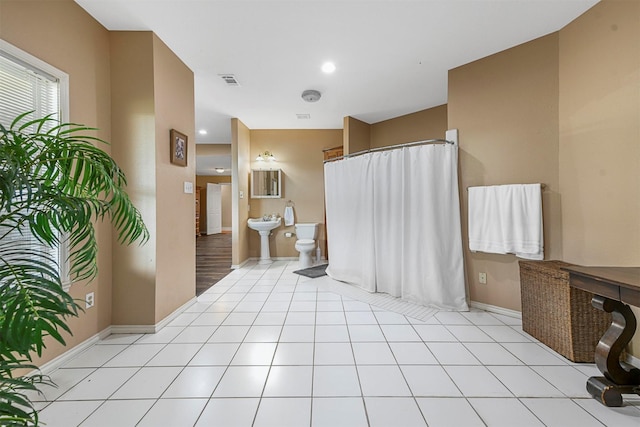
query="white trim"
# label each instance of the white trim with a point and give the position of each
(133, 329)
(632, 360)
(496, 309)
(62, 359)
(47, 68)
(452, 135)
(252, 259)
(152, 329)
(55, 363)
(62, 78)
(242, 264)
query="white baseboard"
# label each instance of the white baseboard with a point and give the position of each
(632, 360)
(242, 264)
(55, 363)
(496, 309)
(256, 259)
(152, 329)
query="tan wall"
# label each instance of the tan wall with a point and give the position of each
(202, 181)
(240, 161)
(506, 109)
(299, 155)
(600, 137)
(65, 36)
(175, 210)
(426, 124)
(152, 92)
(134, 142)
(356, 135)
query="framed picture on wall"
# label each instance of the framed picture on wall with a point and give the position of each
(178, 148)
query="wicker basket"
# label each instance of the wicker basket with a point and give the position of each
(558, 315)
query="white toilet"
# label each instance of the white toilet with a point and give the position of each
(306, 235)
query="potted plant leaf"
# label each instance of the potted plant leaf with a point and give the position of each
(55, 182)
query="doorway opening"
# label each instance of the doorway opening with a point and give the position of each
(213, 246)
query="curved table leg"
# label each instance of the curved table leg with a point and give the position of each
(617, 379)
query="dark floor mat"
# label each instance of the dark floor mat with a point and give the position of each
(313, 272)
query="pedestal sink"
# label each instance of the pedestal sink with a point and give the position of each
(264, 229)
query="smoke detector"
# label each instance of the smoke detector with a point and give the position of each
(311, 95)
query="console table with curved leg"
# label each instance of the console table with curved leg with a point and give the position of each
(614, 289)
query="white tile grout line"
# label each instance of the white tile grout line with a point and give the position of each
(572, 398)
(383, 301)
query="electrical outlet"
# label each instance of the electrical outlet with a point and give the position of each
(89, 300)
(482, 278)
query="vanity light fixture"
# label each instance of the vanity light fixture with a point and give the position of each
(220, 170)
(267, 155)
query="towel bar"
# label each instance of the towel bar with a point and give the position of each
(542, 186)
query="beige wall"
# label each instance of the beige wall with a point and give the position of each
(152, 93)
(213, 149)
(299, 155)
(175, 210)
(63, 35)
(426, 124)
(202, 181)
(240, 168)
(117, 83)
(600, 137)
(134, 144)
(506, 109)
(356, 135)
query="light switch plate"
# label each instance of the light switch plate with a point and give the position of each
(188, 187)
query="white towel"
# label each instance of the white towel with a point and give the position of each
(507, 219)
(288, 216)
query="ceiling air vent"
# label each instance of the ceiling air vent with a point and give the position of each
(303, 116)
(229, 79)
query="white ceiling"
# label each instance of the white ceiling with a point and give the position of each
(392, 56)
(207, 165)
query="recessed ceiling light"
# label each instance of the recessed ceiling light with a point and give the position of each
(202, 131)
(328, 67)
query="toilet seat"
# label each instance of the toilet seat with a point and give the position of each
(305, 241)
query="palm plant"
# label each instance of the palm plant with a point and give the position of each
(54, 183)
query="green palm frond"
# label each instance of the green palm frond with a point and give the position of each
(55, 182)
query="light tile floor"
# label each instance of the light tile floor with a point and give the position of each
(264, 347)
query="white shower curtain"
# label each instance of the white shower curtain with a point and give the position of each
(393, 224)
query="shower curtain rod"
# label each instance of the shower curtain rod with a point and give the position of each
(392, 147)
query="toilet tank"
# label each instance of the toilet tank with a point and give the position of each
(307, 231)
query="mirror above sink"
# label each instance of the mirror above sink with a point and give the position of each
(266, 183)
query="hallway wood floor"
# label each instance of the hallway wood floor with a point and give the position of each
(213, 260)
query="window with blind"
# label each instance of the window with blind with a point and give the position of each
(28, 84)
